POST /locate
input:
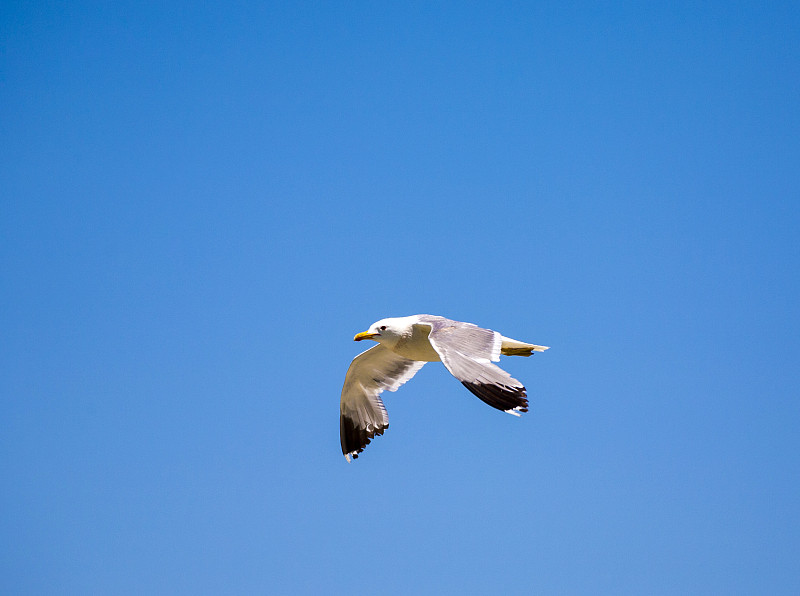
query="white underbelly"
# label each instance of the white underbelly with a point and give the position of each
(423, 352)
(417, 347)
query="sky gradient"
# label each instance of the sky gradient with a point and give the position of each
(201, 205)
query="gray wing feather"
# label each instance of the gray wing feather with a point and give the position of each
(362, 413)
(468, 351)
(464, 337)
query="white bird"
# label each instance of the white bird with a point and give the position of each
(405, 344)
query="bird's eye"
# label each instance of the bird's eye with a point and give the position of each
(383, 327)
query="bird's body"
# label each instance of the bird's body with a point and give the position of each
(415, 345)
(405, 345)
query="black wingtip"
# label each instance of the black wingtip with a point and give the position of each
(500, 396)
(354, 439)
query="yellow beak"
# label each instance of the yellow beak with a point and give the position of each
(365, 335)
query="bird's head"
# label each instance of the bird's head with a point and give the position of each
(385, 331)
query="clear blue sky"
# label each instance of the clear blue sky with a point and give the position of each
(201, 205)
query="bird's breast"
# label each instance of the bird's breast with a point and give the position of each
(417, 346)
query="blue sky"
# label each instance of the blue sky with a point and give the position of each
(201, 205)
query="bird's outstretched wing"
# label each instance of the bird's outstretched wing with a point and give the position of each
(468, 351)
(362, 413)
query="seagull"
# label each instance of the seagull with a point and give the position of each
(405, 344)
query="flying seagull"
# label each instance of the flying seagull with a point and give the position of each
(405, 344)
